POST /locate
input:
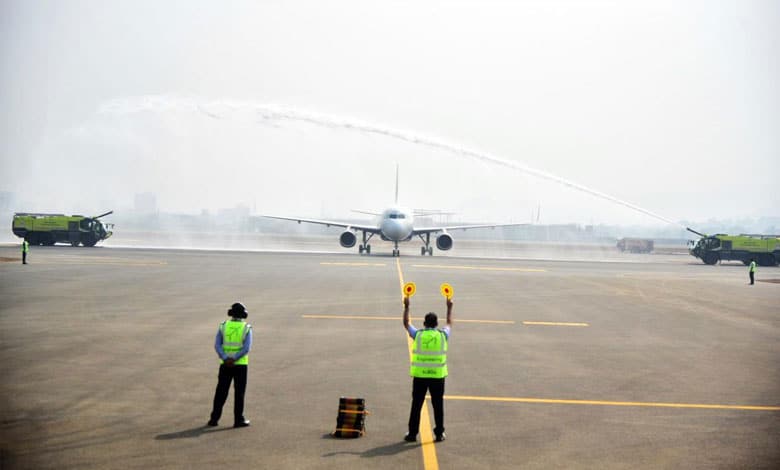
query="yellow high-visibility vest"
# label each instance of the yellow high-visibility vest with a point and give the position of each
(233, 335)
(429, 356)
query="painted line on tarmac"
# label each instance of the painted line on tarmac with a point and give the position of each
(430, 460)
(353, 264)
(366, 317)
(479, 268)
(348, 317)
(74, 262)
(553, 323)
(615, 403)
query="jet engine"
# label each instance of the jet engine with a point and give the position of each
(347, 239)
(444, 241)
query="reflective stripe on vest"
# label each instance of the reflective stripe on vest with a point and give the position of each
(233, 336)
(429, 356)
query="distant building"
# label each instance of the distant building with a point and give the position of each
(233, 214)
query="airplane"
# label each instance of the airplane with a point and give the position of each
(394, 224)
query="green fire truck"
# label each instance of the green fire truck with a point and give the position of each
(48, 229)
(714, 248)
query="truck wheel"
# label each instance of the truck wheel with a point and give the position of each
(711, 258)
(89, 241)
(75, 243)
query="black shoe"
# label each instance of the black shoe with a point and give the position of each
(241, 424)
(409, 438)
(211, 423)
(440, 437)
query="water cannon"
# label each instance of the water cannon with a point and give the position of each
(694, 231)
(103, 215)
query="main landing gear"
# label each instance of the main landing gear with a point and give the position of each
(427, 248)
(365, 246)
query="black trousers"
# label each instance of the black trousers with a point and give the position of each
(419, 387)
(237, 374)
(752, 277)
(24, 257)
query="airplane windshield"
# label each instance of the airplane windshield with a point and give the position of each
(396, 216)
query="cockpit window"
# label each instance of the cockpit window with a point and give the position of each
(396, 216)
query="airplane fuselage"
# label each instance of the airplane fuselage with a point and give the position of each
(396, 224)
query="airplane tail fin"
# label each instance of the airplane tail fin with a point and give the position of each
(396, 183)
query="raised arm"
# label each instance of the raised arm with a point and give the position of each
(449, 313)
(406, 313)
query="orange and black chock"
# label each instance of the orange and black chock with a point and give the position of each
(351, 420)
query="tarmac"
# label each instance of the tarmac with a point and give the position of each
(634, 362)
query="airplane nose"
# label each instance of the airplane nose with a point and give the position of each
(392, 229)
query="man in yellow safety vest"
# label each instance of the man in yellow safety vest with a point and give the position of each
(233, 342)
(752, 271)
(428, 369)
(25, 250)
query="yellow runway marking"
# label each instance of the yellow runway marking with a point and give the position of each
(553, 323)
(99, 261)
(430, 460)
(479, 268)
(502, 322)
(615, 403)
(353, 264)
(348, 317)
(366, 317)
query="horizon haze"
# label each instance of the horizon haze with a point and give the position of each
(303, 108)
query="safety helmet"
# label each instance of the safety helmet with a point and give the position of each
(237, 310)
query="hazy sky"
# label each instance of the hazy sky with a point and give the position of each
(672, 106)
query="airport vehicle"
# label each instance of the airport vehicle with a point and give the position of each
(721, 247)
(48, 229)
(395, 224)
(635, 245)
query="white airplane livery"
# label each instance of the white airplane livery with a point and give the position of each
(394, 224)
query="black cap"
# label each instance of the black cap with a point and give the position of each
(237, 310)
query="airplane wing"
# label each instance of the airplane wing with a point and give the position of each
(424, 230)
(364, 228)
(365, 212)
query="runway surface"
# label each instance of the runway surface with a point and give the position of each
(638, 362)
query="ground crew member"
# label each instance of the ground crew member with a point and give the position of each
(233, 342)
(752, 271)
(428, 369)
(25, 250)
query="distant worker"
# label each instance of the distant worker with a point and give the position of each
(428, 369)
(752, 271)
(233, 342)
(25, 250)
